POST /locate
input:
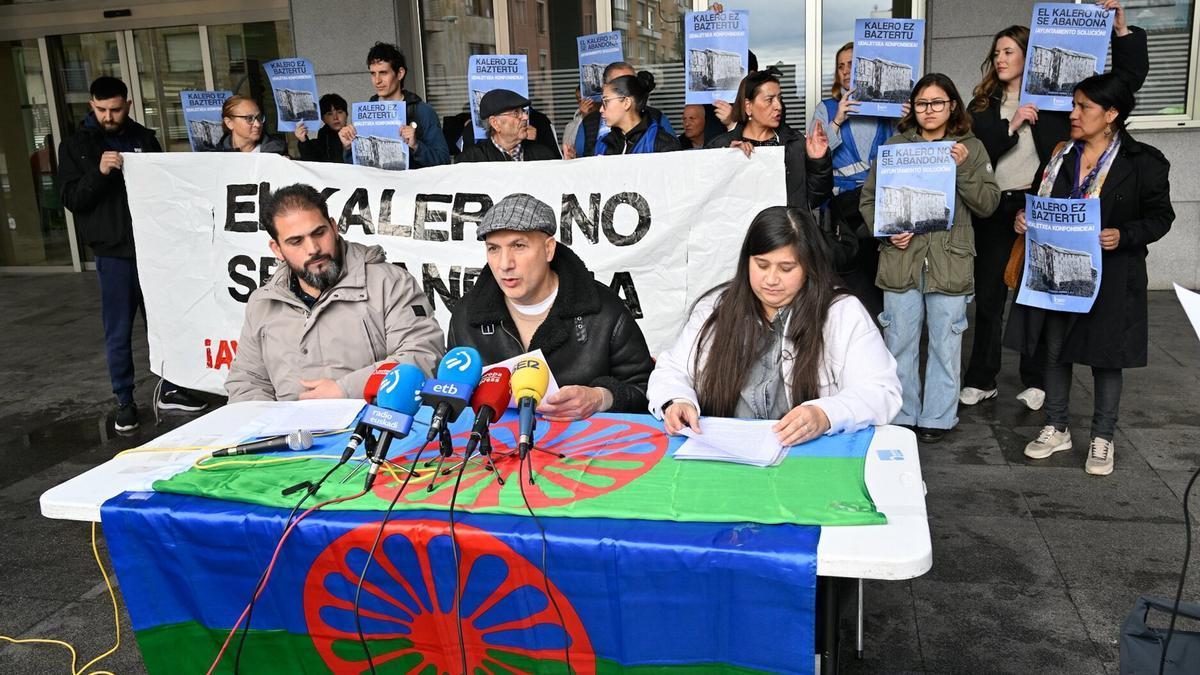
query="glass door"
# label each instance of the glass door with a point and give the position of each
(169, 60)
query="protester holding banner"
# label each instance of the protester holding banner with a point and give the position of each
(1019, 140)
(245, 132)
(635, 130)
(780, 341)
(423, 133)
(927, 278)
(505, 115)
(854, 141)
(326, 147)
(1131, 180)
(536, 293)
(330, 314)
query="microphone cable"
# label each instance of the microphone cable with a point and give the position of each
(309, 490)
(1187, 553)
(462, 644)
(362, 639)
(545, 569)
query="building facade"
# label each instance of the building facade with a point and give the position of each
(50, 50)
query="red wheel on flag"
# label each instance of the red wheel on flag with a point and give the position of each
(407, 605)
(601, 455)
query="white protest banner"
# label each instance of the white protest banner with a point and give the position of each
(660, 229)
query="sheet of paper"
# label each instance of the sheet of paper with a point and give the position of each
(237, 422)
(733, 440)
(509, 364)
(1191, 304)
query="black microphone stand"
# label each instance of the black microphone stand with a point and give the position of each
(484, 449)
(445, 449)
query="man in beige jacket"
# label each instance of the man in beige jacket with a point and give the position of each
(333, 312)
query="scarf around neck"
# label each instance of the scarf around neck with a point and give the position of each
(1089, 188)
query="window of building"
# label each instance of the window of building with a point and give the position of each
(541, 17)
(1170, 26)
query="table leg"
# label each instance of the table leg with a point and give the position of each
(858, 638)
(828, 613)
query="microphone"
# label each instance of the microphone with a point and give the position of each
(392, 413)
(297, 440)
(489, 401)
(448, 394)
(530, 378)
(370, 391)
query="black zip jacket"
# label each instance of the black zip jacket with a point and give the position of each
(326, 147)
(1130, 62)
(616, 142)
(486, 151)
(100, 203)
(589, 337)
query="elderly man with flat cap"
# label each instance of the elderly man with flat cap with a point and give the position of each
(535, 293)
(505, 116)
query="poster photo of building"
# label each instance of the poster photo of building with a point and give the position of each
(1054, 71)
(714, 70)
(883, 80)
(1053, 269)
(296, 105)
(904, 208)
(380, 152)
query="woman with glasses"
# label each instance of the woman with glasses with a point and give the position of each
(1131, 180)
(927, 277)
(853, 139)
(635, 129)
(758, 113)
(245, 128)
(1019, 139)
(780, 341)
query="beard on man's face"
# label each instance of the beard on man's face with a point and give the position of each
(329, 275)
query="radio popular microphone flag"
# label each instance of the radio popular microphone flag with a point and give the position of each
(490, 400)
(297, 440)
(449, 393)
(530, 378)
(398, 400)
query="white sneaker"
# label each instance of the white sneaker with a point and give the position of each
(1048, 442)
(1100, 457)
(1033, 398)
(971, 395)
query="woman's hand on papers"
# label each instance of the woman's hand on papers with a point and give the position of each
(901, 240)
(301, 132)
(347, 135)
(1026, 113)
(1120, 28)
(802, 424)
(679, 415)
(1019, 222)
(959, 152)
(1110, 238)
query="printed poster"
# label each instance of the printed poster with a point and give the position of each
(1067, 44)
(494, 71)
(914, 188)
(202, 115)
(294, 82)
(378, 143)
(717, 47)
(887, 64)
(1062, 254)
(595, 53)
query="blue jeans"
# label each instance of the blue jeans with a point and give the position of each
(120, 301)
(946, 316)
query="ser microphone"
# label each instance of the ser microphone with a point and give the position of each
(489, 401)
(370, 391)
(398, 400)
(449, 393)
(297, 440)
(530, 378)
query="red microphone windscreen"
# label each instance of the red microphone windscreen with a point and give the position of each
(371, 389)
(493, 390)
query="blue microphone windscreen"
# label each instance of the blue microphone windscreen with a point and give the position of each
(401, 389)
(461, 365)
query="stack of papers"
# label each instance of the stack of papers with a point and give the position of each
(728, 440)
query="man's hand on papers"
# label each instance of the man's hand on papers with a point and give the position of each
(574, 402)
(802, 424)
(679, 415)
(321, 389)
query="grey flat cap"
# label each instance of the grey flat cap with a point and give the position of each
(497, 101)
(518, 212)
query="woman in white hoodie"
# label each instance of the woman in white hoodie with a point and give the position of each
(780, 341)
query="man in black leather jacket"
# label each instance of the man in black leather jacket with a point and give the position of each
(537, 294)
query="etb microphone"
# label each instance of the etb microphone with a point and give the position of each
(457, 375)
(297, 440)
(530, 378)
(398, 400)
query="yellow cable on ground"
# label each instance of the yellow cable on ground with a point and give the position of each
(66, 645)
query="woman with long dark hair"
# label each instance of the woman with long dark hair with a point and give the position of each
(635, 130)
(1131, 180)
(927, 277)
(758, 112)
(779, 341)
(1019, 139)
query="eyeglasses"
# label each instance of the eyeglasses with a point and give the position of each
(251, 119)
(936, 105)
(515, 112)
(604, 101)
